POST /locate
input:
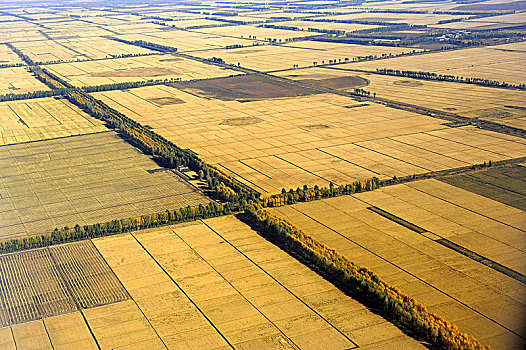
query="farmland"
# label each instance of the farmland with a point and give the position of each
(503, 106)
(492, 63)
(271, 150)
(210, 295)
(84, 179)
(77, 49)
(41, 119)
(17, 80)
(269, 58)
(262, 175)
(158, 67)
(415, 263)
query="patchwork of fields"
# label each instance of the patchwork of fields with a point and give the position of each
(481, 301)
(285, 98)
(210, 285)
(85, 179)
(321, 138)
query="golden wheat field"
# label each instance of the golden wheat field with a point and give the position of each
(140, 141)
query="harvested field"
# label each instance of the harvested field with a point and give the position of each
(311, 140)
(46, 282)
(305, 53)
(163, 101)
(242, 88)
(17, 80)
(134, 69)
(230, 287)
(97, 285)
(252, 31)
(492, 62)
(43, 118)
(31, 288)
(7, 56)
(479, 300)
(412, 18)
(505, 185)
(84, 179)
(494, 104)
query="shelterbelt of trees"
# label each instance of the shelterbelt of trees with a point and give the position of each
(447, 77)
(360, 282)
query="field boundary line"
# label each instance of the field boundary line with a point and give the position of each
(451, 245)
(297, 166)
(233, 172)
(245, 164)
(411, 274)
(130, 298)
(356, 346)
(58, 138)
(348, 161)
(457, 205)
(47, 333)
(231, 285)
(181, 289)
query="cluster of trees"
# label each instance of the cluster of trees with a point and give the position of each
(112, 227)
(360, 282)
(362, 92)
(446, 77)
(8, 65)
(148, 45)
(307, 194)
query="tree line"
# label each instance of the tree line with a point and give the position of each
(112, 227)
(148, 45)
(360, 282)
(446, 77)
(307, 194)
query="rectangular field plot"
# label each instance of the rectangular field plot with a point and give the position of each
(297, 138)
(506, 185)
(492, 62)
(43, 118)
(269, 58)
(17, 80)
(135, 69)
(84, 179)
(46, 282)
(97, 285)
(31, 288)
(481, 301)
(498, 105)
(230, 287)
(248, 31)
(487, 227)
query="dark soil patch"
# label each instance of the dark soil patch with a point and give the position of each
(243, 121)
(450, 109)
(346, 82)
(407, 83)
(163, 101)
(242, 87)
